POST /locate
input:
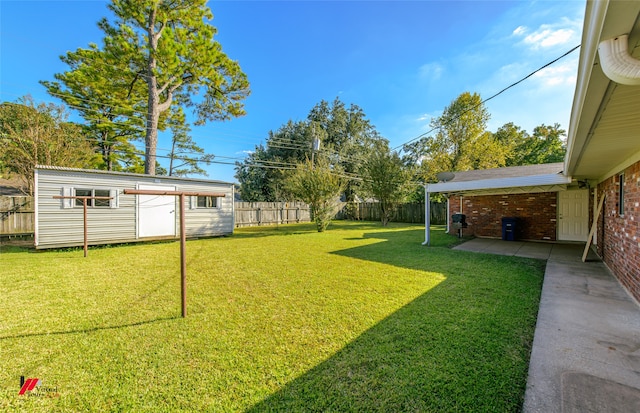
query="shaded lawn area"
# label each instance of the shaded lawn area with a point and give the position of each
(359, 318)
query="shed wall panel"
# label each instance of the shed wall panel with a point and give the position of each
(63, 227)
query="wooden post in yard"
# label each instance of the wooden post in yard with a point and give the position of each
(84, 214)
(594, 226)
(183, 245)
(183, 258)
(84, 220)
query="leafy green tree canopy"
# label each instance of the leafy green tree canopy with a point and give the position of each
(344, 132)
(386, 178)
(319, 184)
(111, 100)
(164, 56)
(546, 145)
(39, 134)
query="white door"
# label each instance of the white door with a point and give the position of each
(156, 213)
(573, 215)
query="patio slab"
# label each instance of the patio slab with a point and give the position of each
(585, 355)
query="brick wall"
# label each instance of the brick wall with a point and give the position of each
(536, 213)
(619, 235)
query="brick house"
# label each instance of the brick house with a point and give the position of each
(561, 202)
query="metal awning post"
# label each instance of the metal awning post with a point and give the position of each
(427, 217)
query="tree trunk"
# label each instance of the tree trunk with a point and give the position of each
(153, 113)
(151, 139)
(172, 155)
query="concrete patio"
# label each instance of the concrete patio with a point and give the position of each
(586, 349)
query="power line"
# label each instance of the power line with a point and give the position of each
(489, 98)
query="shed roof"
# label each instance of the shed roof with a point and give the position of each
(116, 174)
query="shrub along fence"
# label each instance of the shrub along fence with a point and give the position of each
(16, 215)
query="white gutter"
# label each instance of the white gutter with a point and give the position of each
(595, 14)
(617, 63)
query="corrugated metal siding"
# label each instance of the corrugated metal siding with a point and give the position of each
(209, 221)
(62, 227)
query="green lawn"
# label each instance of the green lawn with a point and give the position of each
(358, 318)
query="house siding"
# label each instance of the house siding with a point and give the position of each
(619, 235)
(536, 213)
(63, 227)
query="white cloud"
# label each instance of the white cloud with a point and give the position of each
(519, 31)
(547, 37)
(426, 118)
(564, 74)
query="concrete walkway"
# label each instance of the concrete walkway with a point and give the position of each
(586, 348)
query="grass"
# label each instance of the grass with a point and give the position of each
(359, 318)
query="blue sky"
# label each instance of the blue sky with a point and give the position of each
(402, 62)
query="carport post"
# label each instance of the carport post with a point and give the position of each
(427, 217)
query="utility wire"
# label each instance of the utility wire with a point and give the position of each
(489, 98)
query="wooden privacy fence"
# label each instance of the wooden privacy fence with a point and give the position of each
(249, 214)
(16, 215)
(411, 213)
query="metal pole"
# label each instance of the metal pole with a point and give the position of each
(427, 218)
(183, 258)
(84, 219)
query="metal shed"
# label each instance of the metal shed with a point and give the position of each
(124, 218)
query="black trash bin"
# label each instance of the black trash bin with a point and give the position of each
(509, 228)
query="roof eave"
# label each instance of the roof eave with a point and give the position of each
(129, 174)
(595, 15)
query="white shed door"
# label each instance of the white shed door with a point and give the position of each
(156, 213)
(573, 215)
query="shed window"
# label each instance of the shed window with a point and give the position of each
(96, 203)
(207, 202)
(621, 194)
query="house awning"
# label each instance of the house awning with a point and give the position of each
(520, 179)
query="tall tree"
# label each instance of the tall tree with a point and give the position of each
(511, 137)
(546, 145)
(263, 169)
(32, 134)
(387, 179)
(109, 97)
(344, 132)
(460, 141)
(318, 184)
(185, 156)
(348, 133)
(169, 46)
